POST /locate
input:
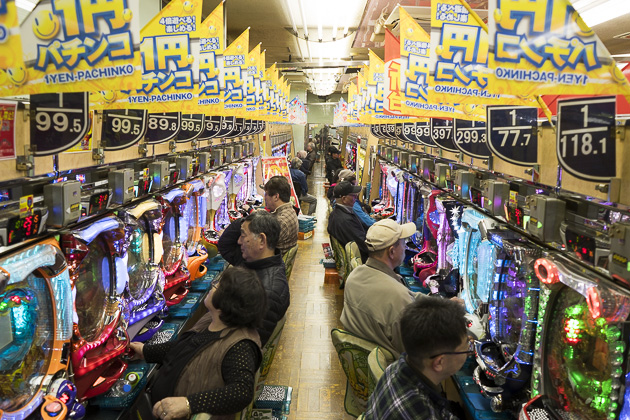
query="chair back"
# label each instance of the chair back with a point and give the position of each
(378, 360)
(353, 354)
(269, 351)
(340, 260)
(289, 260)
(353, 256)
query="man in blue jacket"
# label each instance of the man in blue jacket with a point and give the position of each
(299, 177)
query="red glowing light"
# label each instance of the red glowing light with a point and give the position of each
(548, 274)
(594, 302)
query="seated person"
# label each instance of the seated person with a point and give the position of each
(299, 177)
(251, 242)
(211, 368)
(436, 346)
(333, 163)
(343, 224)
(374, 295)
(338, 176)
(278, 201)
(306, 164)
(358, 207)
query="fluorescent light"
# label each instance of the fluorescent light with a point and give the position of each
(604, 11)
(304, 24)
(288, 2)
(620, 55)
(320, 31)
(25, 4)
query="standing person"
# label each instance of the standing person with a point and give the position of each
(436, 345)
(251, 242)
(333, 163)
(343, 224)
(299, 177)
(211, 368)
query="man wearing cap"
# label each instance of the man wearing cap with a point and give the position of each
(343, 224)
(332, 163)
(375, 295)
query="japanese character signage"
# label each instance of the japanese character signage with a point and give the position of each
(391, 76)
(234, 73)
(58, 121)
(543, 47)
(459, 66)
(585, 138)
(415, 78)
(470, 138)
(7, 129)
(340, 117)
(123, 128)
(375, 85)
(253, 88)
(513, 134)
(75, 46)
(211, 45)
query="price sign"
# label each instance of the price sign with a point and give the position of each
(98, 202)
(585, 139)
(227, 125)
(513, 134)
(249, 127)
(239, 126)
(192, 127)
(123, 128)
(58, 121)
(442, 134)
(375, 129)
(409, 133)
(390, 132)
(212, 126)
(423, 134)
(261, 126)
(398, 132)
(470, 138)
(21, 229)
(163, 127)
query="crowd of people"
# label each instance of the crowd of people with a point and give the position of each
(212, 367)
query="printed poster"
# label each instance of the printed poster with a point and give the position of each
(76, 46)
(272, 166)
(8, 111)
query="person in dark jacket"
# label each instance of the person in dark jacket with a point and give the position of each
(212, 367)
(343, 224)
(333, 163)
(251, 242)
(306, 164)
(311, 149)
(299, 177)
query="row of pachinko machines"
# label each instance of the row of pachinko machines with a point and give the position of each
(70, 304)
(550, 334)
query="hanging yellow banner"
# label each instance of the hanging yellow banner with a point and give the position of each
(10, 41)
(375, 88)
(73, 46)
(234, 71)
(459, 60)
(544, 47)
(252, 82)
(415, 79)
(260, 91)
(169, 66)
(353, 115)
(209, 97)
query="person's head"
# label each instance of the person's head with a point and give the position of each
(346, 175)
(260, 232)
(302, 154)
(296, 162)
(434, 336)
(385, 241)
(310, 146)
(277, 192)
(239, 298)
(345, 193)
(334, 152)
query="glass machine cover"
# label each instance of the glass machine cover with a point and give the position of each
(215, 194)
(581, 340)
(98, 274)
(194, 211)
(35, 330)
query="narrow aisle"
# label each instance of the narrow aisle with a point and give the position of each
(306, 359)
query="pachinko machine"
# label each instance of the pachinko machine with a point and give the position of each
(351, 155)
(35, 333)
(385, 207)
(237, 181)
(98, 273)
(195, 212)
(580, 367)
(144, 293)
(215, 195)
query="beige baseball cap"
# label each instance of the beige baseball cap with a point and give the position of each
(345, 173)
(386, 232)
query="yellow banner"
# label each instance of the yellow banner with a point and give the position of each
(353, 115)
(459, 66)
(544, 47)
(415, 79)
(252, 82)
(234, 71)
(10, 41)
(211, 45)
(170, 67)
(375, 88)
(260, 94)
(75, 46)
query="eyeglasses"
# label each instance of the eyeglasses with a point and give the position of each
(469, 352)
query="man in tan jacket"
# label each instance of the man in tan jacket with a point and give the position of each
(374, 295)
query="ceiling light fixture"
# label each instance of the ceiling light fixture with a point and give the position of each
(295, 32)
(597, 12)
(304, 24)
(27, 5)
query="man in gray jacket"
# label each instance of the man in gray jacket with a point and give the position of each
(374, 295)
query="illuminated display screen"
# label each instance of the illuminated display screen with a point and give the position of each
(174, 177)
(19, 230)
(144, 184)
(93, 286)
(171, 255)
(584, 357)
(515, 216)
(26, 314)
(98, 202)
(475, 196)
(582, 246)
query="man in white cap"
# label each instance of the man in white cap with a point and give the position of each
(375, 295)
